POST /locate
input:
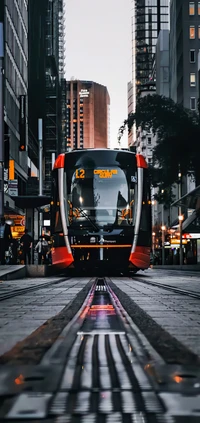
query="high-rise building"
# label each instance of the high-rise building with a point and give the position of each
(14, 17)
(46, 73)
(87, 115)
(162, 63)
(184, 49)
(148, 18)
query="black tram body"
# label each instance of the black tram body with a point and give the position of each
(101, 211)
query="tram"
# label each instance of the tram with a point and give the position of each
(101, 211)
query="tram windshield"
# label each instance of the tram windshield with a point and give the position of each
(100, 197)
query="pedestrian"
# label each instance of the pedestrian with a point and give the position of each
(42, 250)
(5, 238)
(26, 243)
(38, 248)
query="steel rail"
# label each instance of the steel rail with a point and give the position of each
(169, 288)
(24, 291)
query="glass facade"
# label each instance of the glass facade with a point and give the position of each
(150, 16)
(15, 17)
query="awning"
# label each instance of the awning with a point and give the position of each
(190, 220)
(190, 200)
(31, 201)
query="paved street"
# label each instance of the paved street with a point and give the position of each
(177, 314)
(21, 315)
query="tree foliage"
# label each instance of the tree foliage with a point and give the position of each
(178, 137)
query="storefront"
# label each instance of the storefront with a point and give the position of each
(190, 226)
(17, 223)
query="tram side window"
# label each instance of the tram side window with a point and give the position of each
(146, 214)
(55, 208)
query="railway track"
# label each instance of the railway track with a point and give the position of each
(23, 291)
(100, 369)
(169, 288)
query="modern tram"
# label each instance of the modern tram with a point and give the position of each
(101, 211)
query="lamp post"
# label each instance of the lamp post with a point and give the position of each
(153, 242)
(180, 218)
(163, 227)
(163, 232)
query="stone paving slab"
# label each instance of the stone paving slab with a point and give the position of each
(20, 316)
(177, 314)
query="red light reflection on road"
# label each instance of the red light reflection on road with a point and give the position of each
(19, 380)
(84, 312)
(177, 379)
(102, 311)
(98, 307)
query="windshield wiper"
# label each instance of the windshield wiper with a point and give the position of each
(88, 218)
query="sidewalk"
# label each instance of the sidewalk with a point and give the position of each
(12, 272)
(27, 271)
(191, 267)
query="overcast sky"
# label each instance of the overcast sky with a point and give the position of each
(98, 48)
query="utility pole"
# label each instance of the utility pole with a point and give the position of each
(163, 236)
(40, 139)
(1, 124)
(163, 229)
(180, 217)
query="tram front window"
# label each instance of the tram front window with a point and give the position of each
(101, 196)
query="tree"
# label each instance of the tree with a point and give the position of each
(178, 137)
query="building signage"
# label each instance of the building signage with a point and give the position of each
(5, 180)
(84, 93)
(177, 241)
(192, 236)
(13, 187)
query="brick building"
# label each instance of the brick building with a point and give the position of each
(88, 115)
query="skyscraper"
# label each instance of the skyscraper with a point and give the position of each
(46, 72)
(184, 49)
(148, 18)
(14, 17)
(87, 105)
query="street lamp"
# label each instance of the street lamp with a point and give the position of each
(180, 218)
(163, 228)
(153, 243)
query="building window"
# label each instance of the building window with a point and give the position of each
(193, 103)
(192, 56)
(149, 140)
(199, 32)
(198, 7)
(192, 32)
(191, 8)
(192, 80)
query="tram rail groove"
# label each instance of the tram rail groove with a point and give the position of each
(105, 370)
(22, 291)
(142, 344)
(128, 333)
(169, 288)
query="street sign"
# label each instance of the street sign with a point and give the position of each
(13, 187)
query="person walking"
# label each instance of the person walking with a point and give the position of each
(42, 249)
(5, 238)
(38, 248)
(26, 243)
